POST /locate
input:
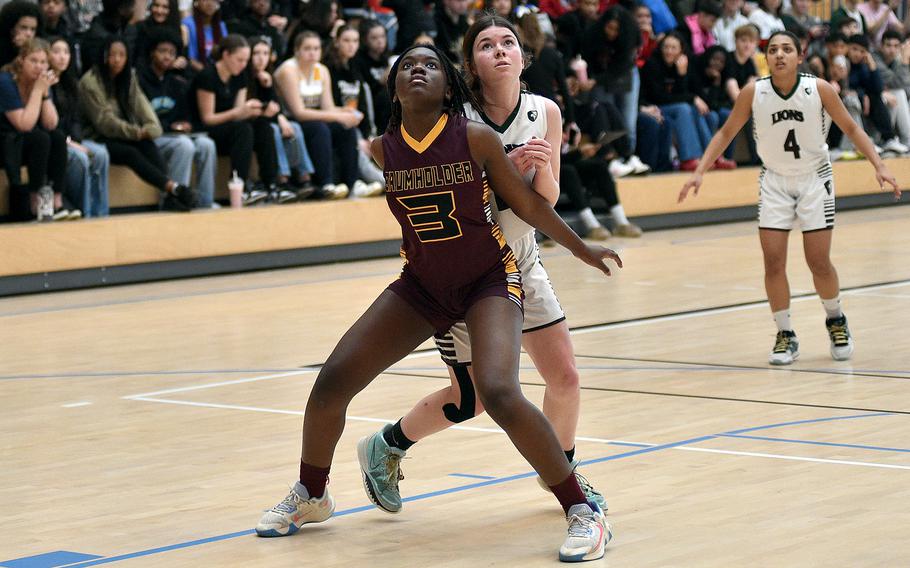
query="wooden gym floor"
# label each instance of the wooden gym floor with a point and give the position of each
(150, 425)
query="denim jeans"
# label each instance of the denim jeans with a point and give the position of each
(626, 102)
(292, 152)
(716, 119)
(180, 152)
(683, 119)
(87, 178)
(654, 141)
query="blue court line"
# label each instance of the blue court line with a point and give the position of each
(814, 443)
(470, 486)
(48, 559)
(812, 421)
(471, 476)
(632, 444)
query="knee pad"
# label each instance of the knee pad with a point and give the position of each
(457, 414)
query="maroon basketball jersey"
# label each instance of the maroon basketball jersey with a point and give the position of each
(442, 202)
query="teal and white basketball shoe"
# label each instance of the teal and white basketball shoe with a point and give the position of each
(380, 465)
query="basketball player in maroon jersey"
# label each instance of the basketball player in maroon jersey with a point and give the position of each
(440, 169)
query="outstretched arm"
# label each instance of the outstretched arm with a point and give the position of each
(486, 148)
(835, 107)
(741, 112)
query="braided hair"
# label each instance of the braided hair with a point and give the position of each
(454, 105)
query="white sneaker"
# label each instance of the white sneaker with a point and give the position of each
(296, 510)
(785, 350)
(841, 340)
(335, 191)
(894, 145)
(619, 169)
(363, 189)
(640, 168)
(589, 533)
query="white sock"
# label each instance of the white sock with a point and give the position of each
(588, 218)
(619, 215)
(832, 307)
(782, 319)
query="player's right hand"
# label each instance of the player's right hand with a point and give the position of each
(693, 183)
(595, 255)
(882, 175)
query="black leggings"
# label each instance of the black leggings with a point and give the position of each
(238, 139)
(577, 174)
(45, 158)
(599, 117)
(141, 156)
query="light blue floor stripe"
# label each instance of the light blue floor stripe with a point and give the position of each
(471, 476)
(799, 422)
(814, 443)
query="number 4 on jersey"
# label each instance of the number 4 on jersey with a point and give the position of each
(790, 144)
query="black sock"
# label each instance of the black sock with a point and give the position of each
(570, 454)
(395, 438)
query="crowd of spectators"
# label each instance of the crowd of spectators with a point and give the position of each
(164, 88)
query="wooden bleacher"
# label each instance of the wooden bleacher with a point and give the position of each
(143, 238)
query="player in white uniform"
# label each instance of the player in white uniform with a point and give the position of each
(791, 114)
(530, 128)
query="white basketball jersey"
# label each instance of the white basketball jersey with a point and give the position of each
(790, 130)
(528, 120)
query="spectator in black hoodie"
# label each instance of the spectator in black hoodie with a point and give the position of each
(708, 81)
(610, 47)
(20, 21)
(164, 15)
(255, 21)
(114, 20)
(169, 93)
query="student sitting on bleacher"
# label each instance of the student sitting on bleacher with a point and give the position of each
(236, 122)
(115, 112)
(88, 165)
(28, 128)
(19, 22)
(290, 146)
(202, 31)
(168, 92)
(893, 62)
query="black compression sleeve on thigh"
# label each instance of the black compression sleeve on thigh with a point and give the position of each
(466, 412)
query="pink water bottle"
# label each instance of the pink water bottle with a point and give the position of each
(580, 66)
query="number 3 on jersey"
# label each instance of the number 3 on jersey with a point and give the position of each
(790, 144)
(431, 216)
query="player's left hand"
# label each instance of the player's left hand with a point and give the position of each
(882, 175)
(538, 152)
(595, 255)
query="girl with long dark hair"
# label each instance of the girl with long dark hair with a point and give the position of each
(458, 268)
(238, 123)
(294, 163)
(202, 31)
(118, 114)
(88, 164)
(791, 113)
(350, 90)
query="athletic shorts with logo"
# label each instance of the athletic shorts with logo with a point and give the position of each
(541, 307)
(806, 199)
